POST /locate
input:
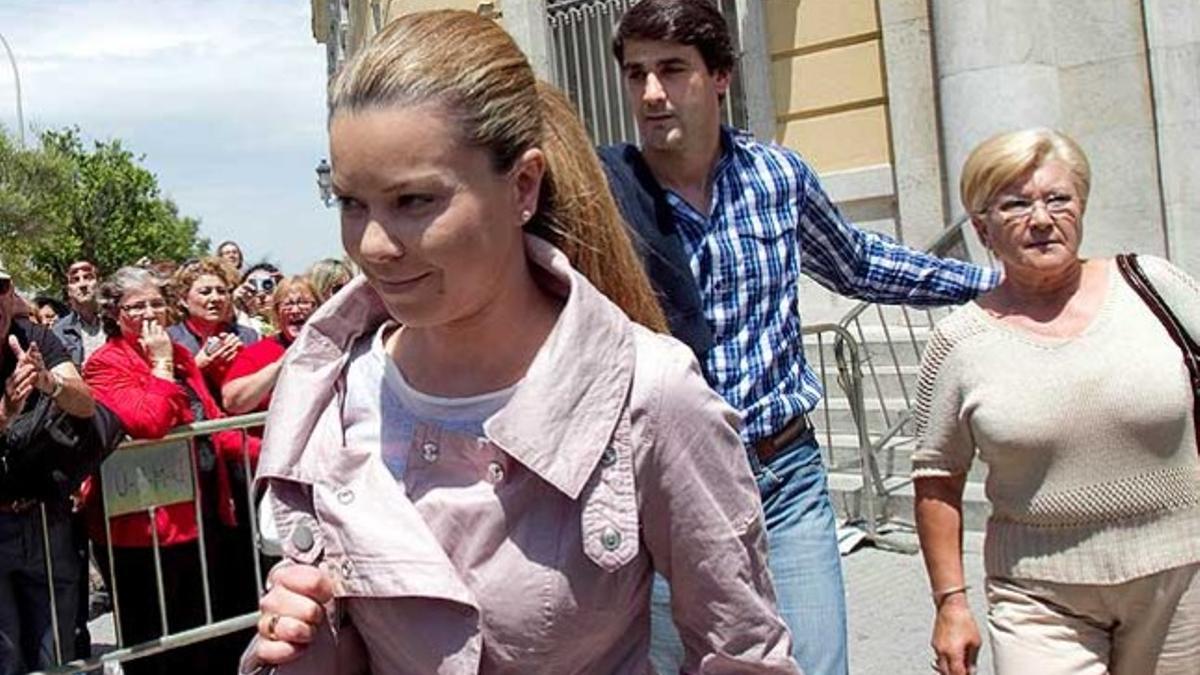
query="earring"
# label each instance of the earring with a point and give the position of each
(526, 215)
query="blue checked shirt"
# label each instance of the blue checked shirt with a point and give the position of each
(770, 220)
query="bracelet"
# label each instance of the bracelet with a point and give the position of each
(939, 597)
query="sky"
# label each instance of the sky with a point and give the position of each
(224, 98)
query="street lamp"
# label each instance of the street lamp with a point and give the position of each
(325, 182)
(16, 78)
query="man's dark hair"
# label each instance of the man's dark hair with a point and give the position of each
(261, 267)
(82, 261)
(697, 23)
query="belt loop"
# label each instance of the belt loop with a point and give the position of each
(756, 466)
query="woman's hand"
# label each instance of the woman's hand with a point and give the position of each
(227, 347)
(291, 612)
(955, 637)
(156, 342)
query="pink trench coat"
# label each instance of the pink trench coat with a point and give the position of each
(531, 550)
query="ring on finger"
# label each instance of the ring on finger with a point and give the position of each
(272, 623)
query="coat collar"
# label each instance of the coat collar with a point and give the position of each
(559, 420)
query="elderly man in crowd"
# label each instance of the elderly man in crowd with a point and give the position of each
(34, 364)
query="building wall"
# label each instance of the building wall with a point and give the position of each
(830, 93)
(828, 81)
(886, 97)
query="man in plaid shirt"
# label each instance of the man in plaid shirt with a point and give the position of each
(726, 225)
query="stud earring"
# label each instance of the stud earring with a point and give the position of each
(526, 215)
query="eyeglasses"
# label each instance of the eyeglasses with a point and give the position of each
(297, 304)
(1020, 208)
(141, 307)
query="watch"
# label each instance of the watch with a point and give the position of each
(58, 384)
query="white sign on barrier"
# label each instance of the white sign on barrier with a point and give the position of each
(137, 478)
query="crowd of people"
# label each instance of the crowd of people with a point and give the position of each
(559, 421)
(158, 345)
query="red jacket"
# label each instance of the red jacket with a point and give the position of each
(149, 406)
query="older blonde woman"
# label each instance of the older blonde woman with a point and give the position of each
(1079, 403)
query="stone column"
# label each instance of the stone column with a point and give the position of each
(527, 22)
(913, 120)
(1079, 67)
(755, 65)
(1173, 34)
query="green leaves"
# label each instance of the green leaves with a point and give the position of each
(65, 201)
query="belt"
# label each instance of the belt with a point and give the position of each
(17, 506)
(766, 448)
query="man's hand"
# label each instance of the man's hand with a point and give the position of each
(21, 383)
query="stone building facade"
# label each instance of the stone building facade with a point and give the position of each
(885, 98)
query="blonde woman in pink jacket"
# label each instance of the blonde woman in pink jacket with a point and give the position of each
(476, 458)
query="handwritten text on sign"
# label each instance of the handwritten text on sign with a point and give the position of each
(137, 478)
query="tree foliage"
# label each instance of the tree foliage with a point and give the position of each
(65, 201)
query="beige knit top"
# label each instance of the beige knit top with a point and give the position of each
(1093, 473)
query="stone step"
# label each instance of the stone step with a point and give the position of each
(845, 492)
(884, 347)
(842, 453)
(833, 412)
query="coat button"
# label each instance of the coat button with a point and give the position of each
(345, 496)
(429, 451)
(302, 538)
(610, 539)
(495, 472)
(609, 457)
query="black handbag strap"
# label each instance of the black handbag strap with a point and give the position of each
(1140, 283)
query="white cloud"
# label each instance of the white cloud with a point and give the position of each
(224, 97)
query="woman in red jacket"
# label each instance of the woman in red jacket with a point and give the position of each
(153, 384)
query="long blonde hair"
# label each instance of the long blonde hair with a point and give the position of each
(471, 68)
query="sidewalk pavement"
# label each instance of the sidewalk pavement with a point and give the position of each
(891, 614)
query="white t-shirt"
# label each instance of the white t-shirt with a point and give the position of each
(381, 410)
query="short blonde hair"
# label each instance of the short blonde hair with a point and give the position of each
(1003, 159)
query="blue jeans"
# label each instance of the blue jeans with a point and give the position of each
(804, 560)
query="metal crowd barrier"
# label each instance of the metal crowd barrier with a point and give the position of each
(886, 342)
(143, 476)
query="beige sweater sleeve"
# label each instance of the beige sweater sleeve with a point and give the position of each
(945, 446)
(1178, 290)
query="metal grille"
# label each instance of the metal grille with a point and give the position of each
(581, 33)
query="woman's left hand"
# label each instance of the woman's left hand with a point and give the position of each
(956, 638)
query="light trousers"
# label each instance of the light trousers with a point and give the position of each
(1147, 626)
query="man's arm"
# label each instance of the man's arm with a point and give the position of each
(76, 397)
(869, 266)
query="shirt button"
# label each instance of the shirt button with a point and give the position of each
(610, 539)
(347, 568)
(609, 457)
(429, 451)
(302, 538)
(495, 472)
(345, 496)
